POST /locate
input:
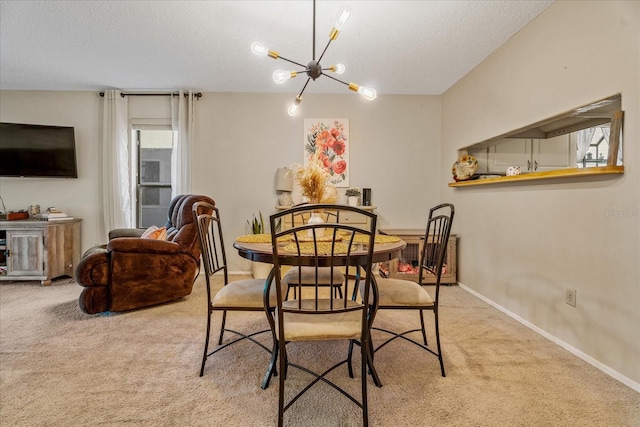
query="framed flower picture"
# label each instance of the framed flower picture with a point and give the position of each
(328, 141)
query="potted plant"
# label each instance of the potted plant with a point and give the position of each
(353, 195)
(259, 270)
(257, 225)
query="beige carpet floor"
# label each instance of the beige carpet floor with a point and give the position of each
(60, 367)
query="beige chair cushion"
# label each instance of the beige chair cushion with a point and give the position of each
(330, 326)
(402, 293)
(292, 277)
(243, 293)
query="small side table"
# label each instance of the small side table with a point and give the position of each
(404, 267)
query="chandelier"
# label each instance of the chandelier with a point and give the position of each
(313, 69)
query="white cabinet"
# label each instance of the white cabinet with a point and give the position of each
(25, 252)
(554, 153)
(531, 155)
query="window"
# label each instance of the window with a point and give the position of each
(598, 148)
(153, 184)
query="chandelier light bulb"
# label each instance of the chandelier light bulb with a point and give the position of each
(368, 93)
(343, 16)
(293, 108)
(259, 49)
(281, 76)
(339, 68)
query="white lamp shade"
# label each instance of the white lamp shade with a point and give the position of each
(284, 179)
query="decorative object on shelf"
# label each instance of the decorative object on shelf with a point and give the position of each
(53, 214)
(313, 69)
(328, 141)
(513, 170)
(366, 196)
(284, 186)
(34, 210)
(16, 216)
(353, 195)
(464, 168)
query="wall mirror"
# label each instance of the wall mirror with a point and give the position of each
(589, 136)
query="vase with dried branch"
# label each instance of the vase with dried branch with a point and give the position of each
(312, 179)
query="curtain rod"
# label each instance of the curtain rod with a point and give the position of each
(122, 94)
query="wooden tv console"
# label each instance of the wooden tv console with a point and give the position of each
(39, 250)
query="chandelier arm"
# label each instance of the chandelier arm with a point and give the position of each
(304, 87)
(293, 62)
(325, 49)
(338, 80)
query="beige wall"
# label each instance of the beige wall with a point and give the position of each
(240, 141)
(243, 138)
(79, 197)
(523, 245)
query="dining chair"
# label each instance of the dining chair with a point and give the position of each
(301, 277)
(317, 314)
(401, 294)
(242, 295)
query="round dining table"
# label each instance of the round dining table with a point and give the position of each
(263, 252)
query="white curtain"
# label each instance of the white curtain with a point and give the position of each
(182, 123)
(584, 140)
(116, 185)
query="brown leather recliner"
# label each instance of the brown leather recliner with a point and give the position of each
(131, 272)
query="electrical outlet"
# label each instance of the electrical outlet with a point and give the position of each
(571, 297)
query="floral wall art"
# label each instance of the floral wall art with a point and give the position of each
(328, 141)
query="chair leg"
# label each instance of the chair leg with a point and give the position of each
(349, 358)
(435, 313)
(364, 357)
(372, 369)
(424, 333)
(283, 370)
(222, 326)
(271, 369)
(206, 343)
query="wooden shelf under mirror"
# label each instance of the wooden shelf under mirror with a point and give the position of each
(545, 175)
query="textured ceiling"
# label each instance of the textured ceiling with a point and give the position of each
(397, 47)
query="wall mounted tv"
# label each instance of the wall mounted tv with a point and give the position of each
(37, 151)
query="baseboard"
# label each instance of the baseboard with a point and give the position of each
(590, 360)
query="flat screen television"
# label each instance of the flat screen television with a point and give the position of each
(37, 151)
